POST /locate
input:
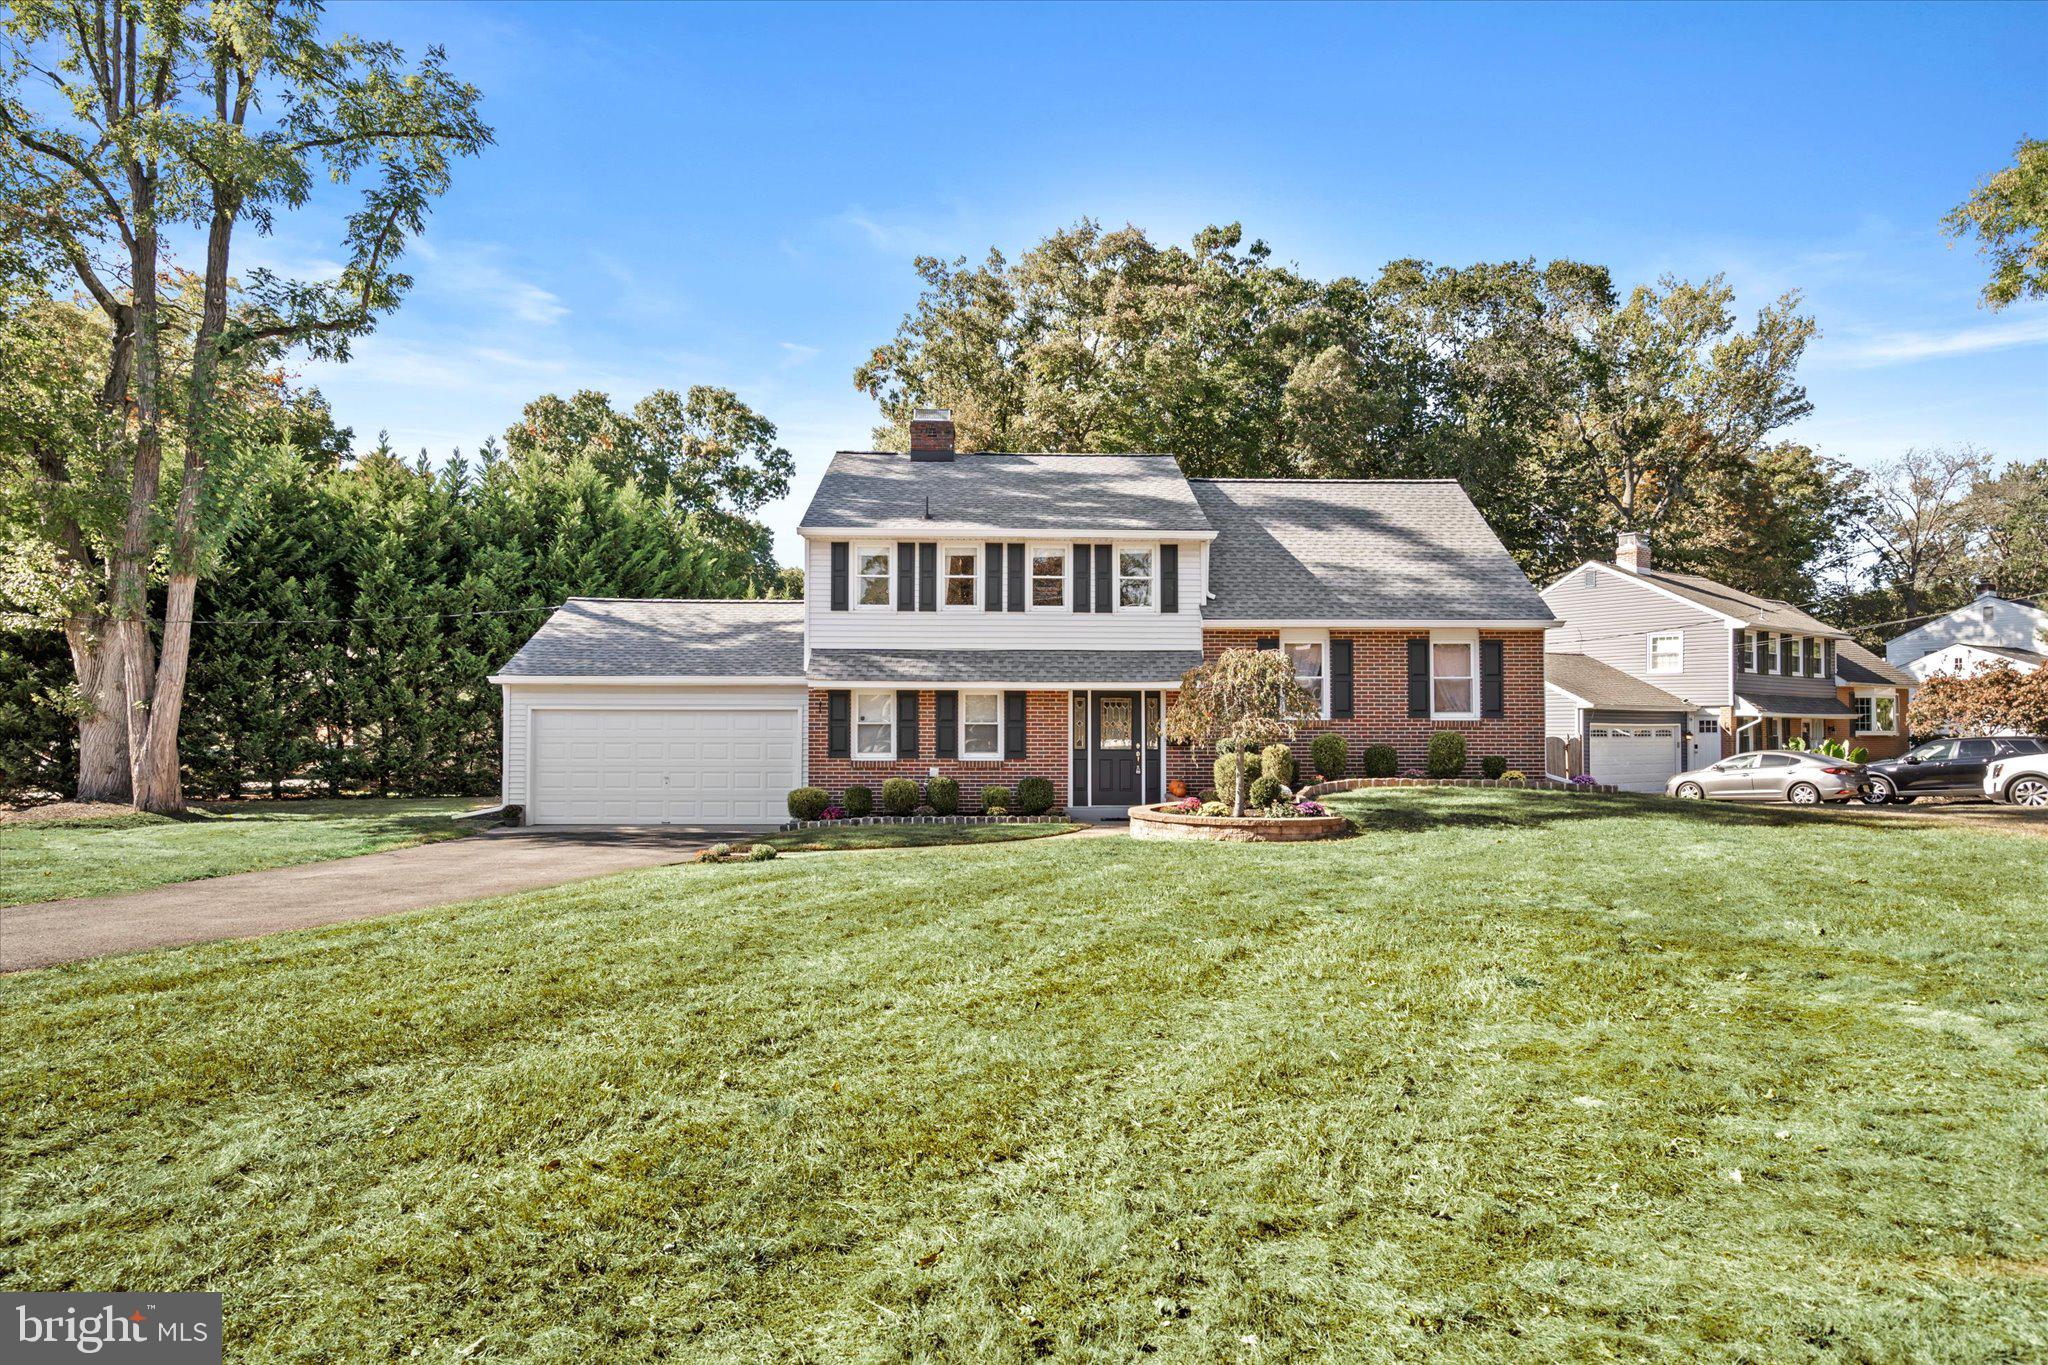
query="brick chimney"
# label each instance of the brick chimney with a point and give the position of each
(931, 434)
(1632, 551)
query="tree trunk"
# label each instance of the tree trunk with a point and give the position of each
(103, 728)
(1237, 783)
(155, 765)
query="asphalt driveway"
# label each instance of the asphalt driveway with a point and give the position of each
(252, 903)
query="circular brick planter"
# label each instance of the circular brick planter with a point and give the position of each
(1155, 822)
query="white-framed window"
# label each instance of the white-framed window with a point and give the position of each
(1134, 577)
(1309, 652)
(1667, 651)
(874, 725)
(1877, 713)
(1454, 675)
(1048, 578)
(961, 565)
(874, 583)
(981, 725)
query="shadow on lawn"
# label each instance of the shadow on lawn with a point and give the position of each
(1459, 809)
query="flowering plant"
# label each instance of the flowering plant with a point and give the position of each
(1411, 772)
(1187, 806)
(1514, 775)
(1310, 808)
(832, 813)
(1584, 780)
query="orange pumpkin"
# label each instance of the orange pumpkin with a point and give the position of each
(1176, 788)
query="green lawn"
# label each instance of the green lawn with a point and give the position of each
(907, 836)
(1506, 1076)
(52, 861)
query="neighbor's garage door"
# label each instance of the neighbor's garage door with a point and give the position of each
(665, 767)
(1635, 758)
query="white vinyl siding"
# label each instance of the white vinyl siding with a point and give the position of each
(1610, 617)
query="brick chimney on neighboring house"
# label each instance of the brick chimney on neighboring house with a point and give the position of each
(931, 434)
(1632, 551)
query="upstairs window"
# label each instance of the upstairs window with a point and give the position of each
(877, 584)
(1134, 579)
(1048, 577)
(963, 572)
(1667, 652)
(1812, 657)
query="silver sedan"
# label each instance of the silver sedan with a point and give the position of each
(1804, 779)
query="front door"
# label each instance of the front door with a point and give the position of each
(1116, 749)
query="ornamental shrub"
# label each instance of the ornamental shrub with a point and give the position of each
(944, 795)
(1514, 775)
(899, 796)
(1277, 762)
(1446, 754)
(1330, 754)
(1381, 760)
(1207, 796)
(1213, 808)
(761, 853)
(1035, 796)
(717, 853)
(808, 803)
(1225, 772)
(859, 802)
(997, 800)
(1493, 765)
(1264, 792)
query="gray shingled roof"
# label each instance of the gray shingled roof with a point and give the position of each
(600, 637)
(1051, 667)
(1357, 549)
(2017, 655)
(1760, 613)
(1858, 666)
(1604, 687)
(1793, 703)
(979, 494)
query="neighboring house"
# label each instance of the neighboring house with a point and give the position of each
(2001, 623)
(992, 617)
(1754, 672)
(1965, 659)
(1601, 720)
(1879, 694)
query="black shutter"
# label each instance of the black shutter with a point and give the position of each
(1265, 644)
(1169, 578)
(1084, 574)
(1017, 581)
(1492, 683)
(945, 725)
(1418, 677)
(906, 576)
(841, 595)
(906, 725)
(1340, 679)
(1013, 725)
(928, 576)
(992, 576)
(1828, 666)
(1105, 582)
(837, 712)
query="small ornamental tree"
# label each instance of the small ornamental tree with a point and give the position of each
(1996, 700)
(1241, 697)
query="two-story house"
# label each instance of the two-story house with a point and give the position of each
(991, 617)
(1992, 631)
(1737, 672)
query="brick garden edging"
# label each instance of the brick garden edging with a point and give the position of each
(1157, 822)
(1352, 784)
(1054, 819)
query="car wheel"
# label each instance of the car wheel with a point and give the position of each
(1879, 792)
(2028, 791)
(1803, 794)
(1689, 791)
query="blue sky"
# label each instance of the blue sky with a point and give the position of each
(694, 194)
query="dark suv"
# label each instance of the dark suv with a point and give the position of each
(1944, 767)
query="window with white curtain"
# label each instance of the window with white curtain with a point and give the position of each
(1454, 679)
(981, 725)
(874, 725)
(1309, 652)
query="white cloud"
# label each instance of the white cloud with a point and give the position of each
(473, 270)
(1904, 347)
(795, 353)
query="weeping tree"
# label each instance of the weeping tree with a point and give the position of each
(128, 127)
(1242, 698)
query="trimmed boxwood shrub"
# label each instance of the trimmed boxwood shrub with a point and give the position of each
(899, 796)
(761, 853)
(1493, 765)
(1207, 797)
(944, 795)
(995, 799)
(1277, 762)
(1446, 754)
(808, 803)
(1330, 754)
(859, 801)
(1381, 760)
(1035, 796)
(1263, 793)
(1224, 771)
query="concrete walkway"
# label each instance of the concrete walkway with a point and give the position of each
(251, 903)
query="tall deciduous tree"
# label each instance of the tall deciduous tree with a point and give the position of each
(2008, 215)
(125, 123)
(1243, 697)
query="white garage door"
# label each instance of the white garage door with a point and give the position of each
(668, 767)
(1635, 758)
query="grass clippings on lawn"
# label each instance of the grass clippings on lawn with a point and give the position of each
(56, 859)
(1507, 1076)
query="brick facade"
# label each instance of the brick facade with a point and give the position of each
(1045, 754)
(1379, 679)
